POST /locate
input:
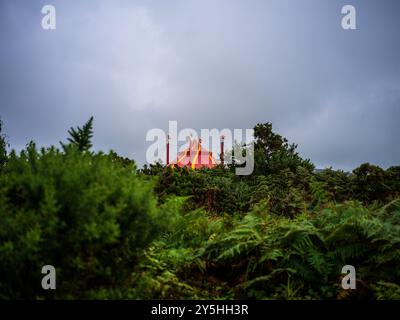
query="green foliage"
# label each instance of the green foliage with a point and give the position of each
(387, 291)
(86, 215)
(115, 232)
(337, 184)
(273, 153)
(265, 256)
(370, 183)
(217, 190)
(82, 137)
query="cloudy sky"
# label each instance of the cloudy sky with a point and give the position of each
(134, 65)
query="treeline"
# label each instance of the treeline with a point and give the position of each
(113, 231)
(280, 175)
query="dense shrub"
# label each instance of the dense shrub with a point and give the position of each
(265, 256)
(84, 213)
(273, 153)
(217, 190)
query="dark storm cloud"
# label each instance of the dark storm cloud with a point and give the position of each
(136, 65)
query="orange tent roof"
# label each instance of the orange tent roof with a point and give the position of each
(195, 157)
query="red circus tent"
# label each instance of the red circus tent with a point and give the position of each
(194, 156)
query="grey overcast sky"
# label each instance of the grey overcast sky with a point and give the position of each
(134, 65)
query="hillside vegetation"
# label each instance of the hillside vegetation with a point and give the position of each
(113, 231)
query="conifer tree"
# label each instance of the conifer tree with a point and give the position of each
(82, 137)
